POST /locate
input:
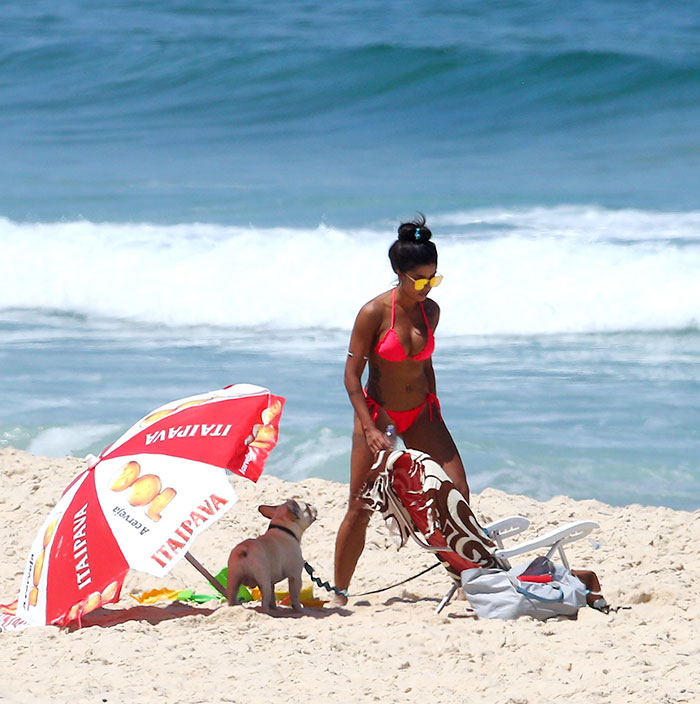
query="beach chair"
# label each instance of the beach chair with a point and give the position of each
(419, 502)
(497, 531)
(540, 588)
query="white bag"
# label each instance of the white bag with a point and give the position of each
(496, 593)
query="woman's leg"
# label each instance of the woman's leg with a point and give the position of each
(350, 540)
(432, 437)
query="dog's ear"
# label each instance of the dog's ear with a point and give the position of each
(267, 511)
(293, 508)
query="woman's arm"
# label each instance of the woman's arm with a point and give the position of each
(429, 371)
(433, 314)
(363, 334)
(430, 376)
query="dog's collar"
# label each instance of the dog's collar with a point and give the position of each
(284, 529)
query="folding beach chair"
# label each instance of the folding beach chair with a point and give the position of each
(418, 501)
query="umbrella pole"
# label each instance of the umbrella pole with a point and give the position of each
(203, 571)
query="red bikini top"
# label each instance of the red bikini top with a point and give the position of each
(390, 347)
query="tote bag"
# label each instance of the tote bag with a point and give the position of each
(494, 593)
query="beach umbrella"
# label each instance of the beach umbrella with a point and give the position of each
(142, 502)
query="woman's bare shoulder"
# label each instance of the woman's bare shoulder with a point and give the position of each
(431, 306)
(376, 307)
(432, 310)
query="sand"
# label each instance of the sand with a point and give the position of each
(388, 647)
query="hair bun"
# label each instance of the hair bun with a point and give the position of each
(415, 230)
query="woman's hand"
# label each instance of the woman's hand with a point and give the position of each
(377, 440)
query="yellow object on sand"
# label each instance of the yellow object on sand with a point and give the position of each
(306, 596)
(156, 595)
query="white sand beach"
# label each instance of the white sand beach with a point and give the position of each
(388, 647)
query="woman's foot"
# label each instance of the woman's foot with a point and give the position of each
(338, 600)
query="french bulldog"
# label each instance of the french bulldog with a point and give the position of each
(273, 556)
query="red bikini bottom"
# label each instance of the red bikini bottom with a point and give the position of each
(403, 420)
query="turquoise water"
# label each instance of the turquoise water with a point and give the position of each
(608, 416)
(195, 195)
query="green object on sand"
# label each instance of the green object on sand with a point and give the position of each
(222, 576)
(189, 595)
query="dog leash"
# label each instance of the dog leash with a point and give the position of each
(325, 585)
(344, 592)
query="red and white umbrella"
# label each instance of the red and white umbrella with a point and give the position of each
(142, 502)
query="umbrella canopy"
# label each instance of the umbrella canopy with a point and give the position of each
(142, 502)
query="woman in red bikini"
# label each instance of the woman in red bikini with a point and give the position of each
(394, 333)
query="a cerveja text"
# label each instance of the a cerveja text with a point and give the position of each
(121, 513)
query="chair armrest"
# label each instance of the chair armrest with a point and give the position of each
(506, 528)
(555, 539)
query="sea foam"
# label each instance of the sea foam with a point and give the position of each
(533, 271)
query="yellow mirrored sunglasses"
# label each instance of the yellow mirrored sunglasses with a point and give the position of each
(420, 284)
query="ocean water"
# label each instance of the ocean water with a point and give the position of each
(197, 194)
